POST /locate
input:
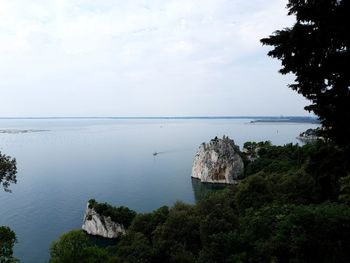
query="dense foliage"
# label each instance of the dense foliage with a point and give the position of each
(8, 171)
(76, 246)
(291, 206)
(317, 50)
(7, 241)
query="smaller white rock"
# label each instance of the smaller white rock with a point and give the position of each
(99, 225)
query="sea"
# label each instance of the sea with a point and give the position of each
(64, 162)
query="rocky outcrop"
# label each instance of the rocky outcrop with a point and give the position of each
(100, 225)
(218, 162)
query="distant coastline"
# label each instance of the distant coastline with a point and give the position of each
(18, 131)
(254, 119)
(287, 120)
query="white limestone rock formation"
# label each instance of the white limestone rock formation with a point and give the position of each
(218, 162)
(100, 225)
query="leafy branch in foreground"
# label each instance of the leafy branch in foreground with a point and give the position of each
(8, 171)
(316, 49)
(7, 241)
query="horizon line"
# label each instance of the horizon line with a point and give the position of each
(166, 117)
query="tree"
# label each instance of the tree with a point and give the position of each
(134, 247)
(255, 191)
(70, 247)
(75, 246)
(8, 171)
(316, 50)
(344, 195)
(293, 233)
(7, 241)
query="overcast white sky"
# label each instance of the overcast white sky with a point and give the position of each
(142, 58)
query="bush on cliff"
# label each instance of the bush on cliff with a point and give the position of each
(123, 215)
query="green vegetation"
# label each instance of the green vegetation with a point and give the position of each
(122, 214)
(7, 241)
(291, 206)
(76, 246)
(8, 171)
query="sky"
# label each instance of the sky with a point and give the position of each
(142, 58)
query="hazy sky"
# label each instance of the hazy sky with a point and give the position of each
(142, 58)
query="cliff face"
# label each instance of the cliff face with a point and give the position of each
(218, 162)
(99, 225)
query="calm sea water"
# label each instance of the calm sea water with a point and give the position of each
(111, 160)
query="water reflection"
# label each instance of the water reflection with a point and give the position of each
(201, 190)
